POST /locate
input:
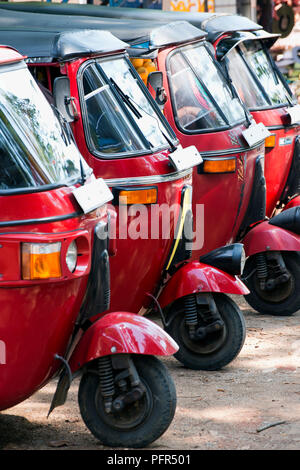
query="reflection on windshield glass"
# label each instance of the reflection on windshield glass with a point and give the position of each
(194, 109)
(32, 148)
(109, 128)
(260, 64)
(205, 68)
(243, 81)
(201, 96)
(117, 129)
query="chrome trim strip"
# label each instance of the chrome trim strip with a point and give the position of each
(232, 151)
(280, 127)
(42, 220)
(212, 159)
(153, 179)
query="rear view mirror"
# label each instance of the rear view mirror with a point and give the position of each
(155, 79)
(62, 98)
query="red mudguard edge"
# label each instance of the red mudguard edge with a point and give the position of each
(121, 332)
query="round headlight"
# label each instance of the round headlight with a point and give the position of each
(71, 256)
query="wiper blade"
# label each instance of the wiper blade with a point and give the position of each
(136, 112)
(126, 99)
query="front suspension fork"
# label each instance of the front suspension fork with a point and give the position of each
(211, 319)
(279, 274)
(122, 388)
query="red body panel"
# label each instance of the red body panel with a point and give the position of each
(225, 196)
(278, 159)
(267, 237)
(37, 317)
(142, 275)
(119, 333)
(195, 277)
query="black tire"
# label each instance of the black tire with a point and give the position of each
(284, 300)
(220, 348)
(140, 423)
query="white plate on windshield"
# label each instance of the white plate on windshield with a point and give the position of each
(255, 133)
(92, 195)
(294, 113)
(186, 158)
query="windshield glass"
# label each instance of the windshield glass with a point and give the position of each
(121, 119)
(34, 149)
(201, 96)
(244, 82)
(252, 73)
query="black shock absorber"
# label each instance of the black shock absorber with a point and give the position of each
(191, 313)
(106, 381)
(262, 269)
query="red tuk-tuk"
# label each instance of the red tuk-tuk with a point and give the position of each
(122, 134)
(233, 154)
(55, 282)
(242, 47)
(272, 268)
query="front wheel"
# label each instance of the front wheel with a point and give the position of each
(284, 298)
(218, 348)
(141, 421)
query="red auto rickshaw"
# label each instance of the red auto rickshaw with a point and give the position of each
(242, 47)
(55, 282)
(231, 145)
(122, 134)
(272, 245)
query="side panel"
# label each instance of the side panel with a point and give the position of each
(224, 197)
(278, 159)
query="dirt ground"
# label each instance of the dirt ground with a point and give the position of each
(231, 409)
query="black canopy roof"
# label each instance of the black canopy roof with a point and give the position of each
(214, 24)
(232, 41)
(50, 45)
(156, 33)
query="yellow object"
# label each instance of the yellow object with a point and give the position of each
(150, 66)
(137, 62)
(41, 260)
(270, 141)
(143, 73)
(219, 166)
(186, 205)
(139, 196)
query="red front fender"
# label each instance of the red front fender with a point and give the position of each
(121, 332)
(195, 277)
(267, 237)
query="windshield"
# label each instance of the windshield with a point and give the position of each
(34, 149)
(256, 80)
(120, 117)
(201, 96)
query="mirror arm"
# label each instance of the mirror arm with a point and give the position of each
(161, 96)
(70, 101)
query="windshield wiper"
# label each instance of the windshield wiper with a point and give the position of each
(126, 99)
(136, 112)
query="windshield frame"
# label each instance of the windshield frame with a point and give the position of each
(228, 126)
(39, 188)
(147, 150)
(261, 88)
